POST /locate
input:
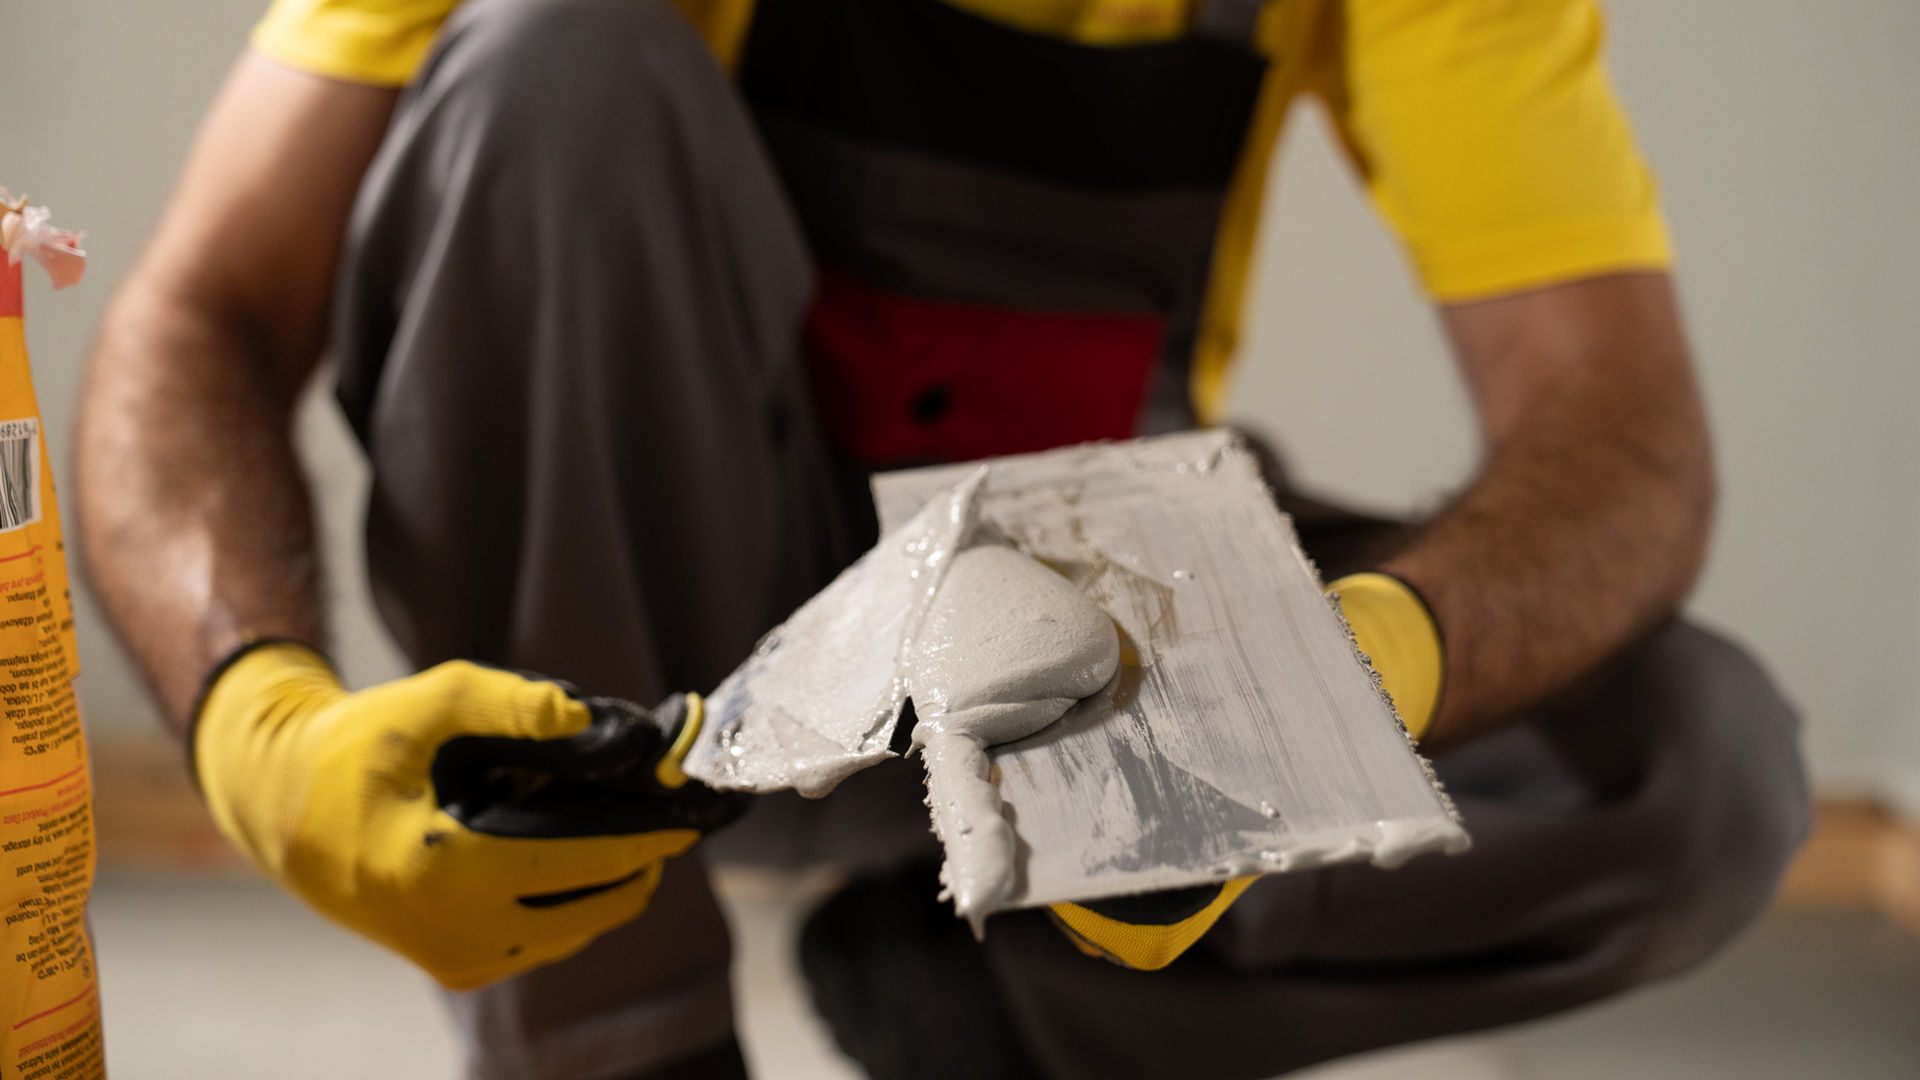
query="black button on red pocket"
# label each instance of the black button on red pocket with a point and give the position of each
(902, 380)
(932, 404)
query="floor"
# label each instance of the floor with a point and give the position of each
(222, 976)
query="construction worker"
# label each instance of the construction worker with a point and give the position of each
(625, 299)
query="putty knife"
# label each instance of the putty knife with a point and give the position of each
(1244, 733)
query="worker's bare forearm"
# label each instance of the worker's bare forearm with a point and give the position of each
(197, 526)
(195, 517)
(1589, 519)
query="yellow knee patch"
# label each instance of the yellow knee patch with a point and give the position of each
(1143, 946)
(1392, 626)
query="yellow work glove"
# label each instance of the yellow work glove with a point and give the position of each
(477, 821)
(1395, 630)
(1393, 627)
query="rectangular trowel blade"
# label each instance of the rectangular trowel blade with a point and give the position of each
(1244, 734)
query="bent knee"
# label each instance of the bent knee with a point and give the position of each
(1746, 799)
(1724, 806)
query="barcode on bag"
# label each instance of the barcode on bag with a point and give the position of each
(19, 473)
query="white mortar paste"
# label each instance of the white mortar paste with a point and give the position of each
(1243, 732)
(990, 645)
(818, 699)
(1006, 648)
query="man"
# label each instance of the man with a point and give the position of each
(624, 297)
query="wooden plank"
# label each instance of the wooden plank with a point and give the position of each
(1897, 890)
(146, 813)
(1839, 864)
(1860, 857)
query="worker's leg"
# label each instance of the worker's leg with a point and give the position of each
(567, 333)
(1620, 836)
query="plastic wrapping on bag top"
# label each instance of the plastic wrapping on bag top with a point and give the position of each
(27, 232)
(49, 1001)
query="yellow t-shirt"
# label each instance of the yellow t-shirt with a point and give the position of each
(1486, 130)
(1491, 140)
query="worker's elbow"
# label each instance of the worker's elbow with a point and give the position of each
(124, 394)
(190, 348)
(117, 377)
(1674, 487)
(1698, 498)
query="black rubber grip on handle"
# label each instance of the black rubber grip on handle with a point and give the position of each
(600, 782)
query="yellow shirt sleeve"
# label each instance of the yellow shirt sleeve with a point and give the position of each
(367, 41)
(1491, 141)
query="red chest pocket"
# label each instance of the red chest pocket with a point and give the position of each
(900, 380)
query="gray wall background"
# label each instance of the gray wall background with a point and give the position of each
(1785, 138)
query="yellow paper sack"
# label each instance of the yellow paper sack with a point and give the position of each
(49, 1002)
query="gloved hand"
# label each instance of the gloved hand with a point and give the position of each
(1393, 627)
(477, 821)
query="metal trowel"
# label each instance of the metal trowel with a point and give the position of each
(1244, 733)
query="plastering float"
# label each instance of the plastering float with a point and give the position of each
(1242, 734)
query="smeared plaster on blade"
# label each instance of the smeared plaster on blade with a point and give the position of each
(990, 645)
(932, 554)
(1299, 760)
(1386, 844)
(1006, 647)
(818, 699)
(1245, 734)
